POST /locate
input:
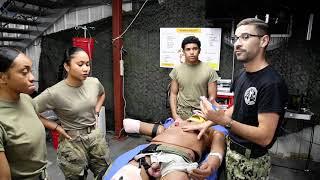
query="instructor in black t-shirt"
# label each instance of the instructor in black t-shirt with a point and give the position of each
(260, 97)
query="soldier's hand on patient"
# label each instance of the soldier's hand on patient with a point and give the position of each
(63, 132)
(202, 172)
(205, 169)
(201, 127)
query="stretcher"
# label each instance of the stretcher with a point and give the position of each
(124, 158)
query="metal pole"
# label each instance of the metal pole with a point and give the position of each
(117, 80)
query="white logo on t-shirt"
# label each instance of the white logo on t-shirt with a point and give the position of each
(250, 96)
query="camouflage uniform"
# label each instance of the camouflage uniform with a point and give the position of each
(84, 151)
(75, 107)
(185, 112)
(240, 167)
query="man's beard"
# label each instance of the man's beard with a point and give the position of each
(243, 61)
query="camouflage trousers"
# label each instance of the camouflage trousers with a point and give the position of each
(85, 151)
(240, 167)
(185, 112)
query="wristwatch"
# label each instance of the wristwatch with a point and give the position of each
(229, 124)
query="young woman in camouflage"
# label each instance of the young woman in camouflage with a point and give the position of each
(76, 100)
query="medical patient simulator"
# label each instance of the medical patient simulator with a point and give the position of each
(121, 170)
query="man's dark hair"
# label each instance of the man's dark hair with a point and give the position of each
(261, 27)
(190, 39)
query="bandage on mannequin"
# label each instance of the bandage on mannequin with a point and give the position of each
(131, 125)
(137, 126)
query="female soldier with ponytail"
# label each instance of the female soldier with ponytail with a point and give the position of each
(76, 100)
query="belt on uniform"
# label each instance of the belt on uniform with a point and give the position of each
(77, 132)
(155, 148)
(43, 175)
(172, 150)
(248, 153)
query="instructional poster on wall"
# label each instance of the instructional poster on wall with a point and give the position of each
(170, 45)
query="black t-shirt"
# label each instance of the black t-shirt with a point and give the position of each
(258, 92)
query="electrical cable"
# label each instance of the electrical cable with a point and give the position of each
(124, 99)
(130, 22)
